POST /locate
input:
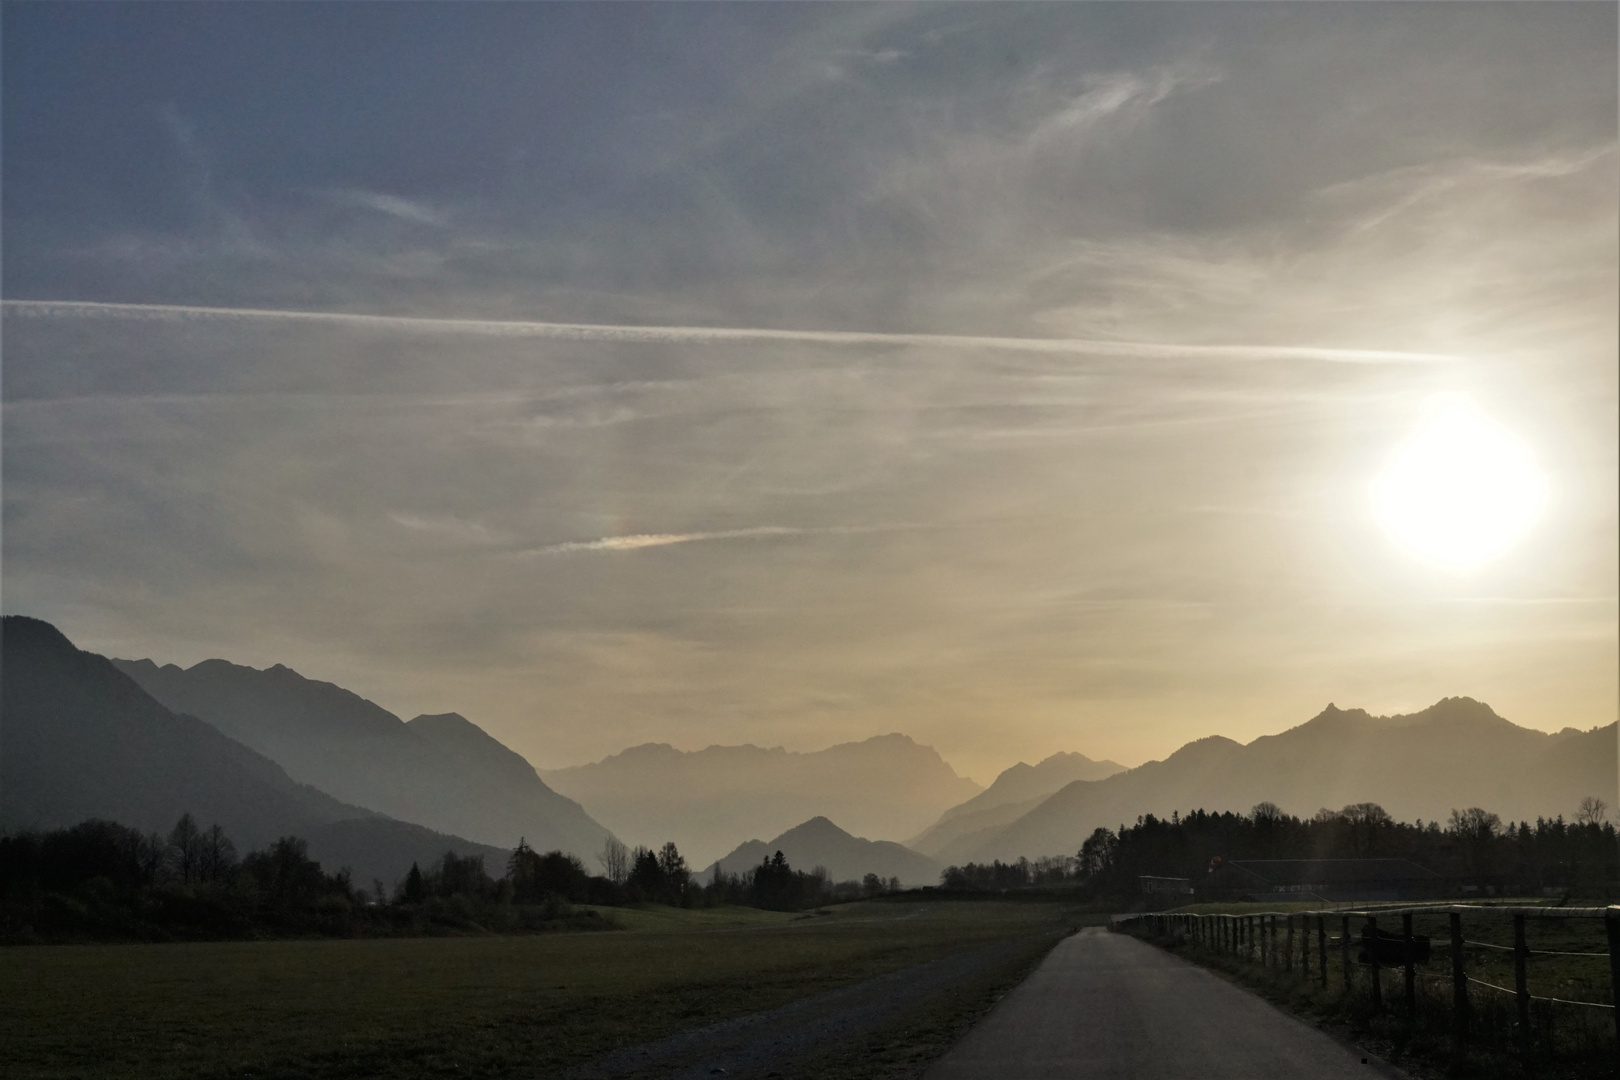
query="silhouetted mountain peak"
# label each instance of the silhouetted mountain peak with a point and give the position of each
(820, 842)
(704, 800)
(447, 721)
(443, 771)
(817, 828)
(1208, 746)
(21, 631)
(1335, 715)
(1458, 709)
(1456, 752)
(646, 750)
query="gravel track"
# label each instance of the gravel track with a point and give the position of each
(763, 1043)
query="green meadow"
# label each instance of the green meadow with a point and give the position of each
(442, 1007)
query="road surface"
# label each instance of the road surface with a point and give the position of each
(1107, 1005)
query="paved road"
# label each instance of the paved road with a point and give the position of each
(1107, 1005)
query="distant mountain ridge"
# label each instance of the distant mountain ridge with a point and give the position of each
(818, 842)
(80, 739)
(440, 771)
(1014, 793)
(1455, 754)
(707, 800)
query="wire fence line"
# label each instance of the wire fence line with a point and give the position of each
(1269, 938)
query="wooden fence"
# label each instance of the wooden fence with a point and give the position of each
(1270, 939)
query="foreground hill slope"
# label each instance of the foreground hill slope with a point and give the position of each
(1014, 793)
(1456, 753)
(708, 800)
(80, 739)
(441, 771)
(818, 842)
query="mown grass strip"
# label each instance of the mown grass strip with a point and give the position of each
(448, 1007)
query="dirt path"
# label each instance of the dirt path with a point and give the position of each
(1107, 1005)
(764, 1043)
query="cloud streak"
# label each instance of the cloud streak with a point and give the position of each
(647, 540)
(715, 335)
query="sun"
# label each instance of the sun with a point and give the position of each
(1461, 490)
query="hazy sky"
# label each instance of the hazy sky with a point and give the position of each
(829, 489)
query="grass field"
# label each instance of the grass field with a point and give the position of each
(442, 1007)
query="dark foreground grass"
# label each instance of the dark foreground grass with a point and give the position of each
(490, 1006)
(1570, 1043)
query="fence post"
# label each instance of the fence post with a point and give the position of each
(1411, 974)
(1611, 923)
(1304, 947)
(1267, 924)
(1288, 945)
(1321, 947)
(1459, 991)
(1372, 954)
(1521, 981)
(1344, 952)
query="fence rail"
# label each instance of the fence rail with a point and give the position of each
(1268, 938)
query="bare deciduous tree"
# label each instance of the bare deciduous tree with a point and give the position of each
(1474, 822)
(1592, 811)
(1266, 811)
(615, 860)
(186, 847)
(216, 855)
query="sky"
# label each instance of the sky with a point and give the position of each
(1012, 376)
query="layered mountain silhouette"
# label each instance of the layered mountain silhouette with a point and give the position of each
(818, 842)
(80, 739)
(1014, 793)
(1455, 754)
(440, 771)
(707, 800)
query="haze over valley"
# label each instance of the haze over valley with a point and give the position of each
(269, 753)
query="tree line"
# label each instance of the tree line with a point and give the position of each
(1473, 846)
(100, 879)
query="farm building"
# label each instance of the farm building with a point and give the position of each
(1175, 886)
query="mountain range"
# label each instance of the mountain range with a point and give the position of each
(705, 800)
(818, 842)
(271, 753)
(441, 771)
(80, 739)
(1457, 753)
(1014, 793)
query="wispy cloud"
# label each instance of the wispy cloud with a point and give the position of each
(1139, 350)
(392, 205)
(647, 540)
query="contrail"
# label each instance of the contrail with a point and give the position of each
(647, 540)
(715, 335)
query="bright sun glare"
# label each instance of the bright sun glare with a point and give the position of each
(1461, 490)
